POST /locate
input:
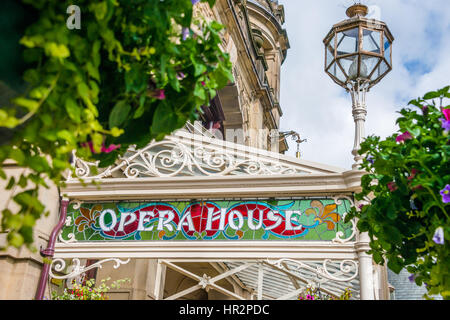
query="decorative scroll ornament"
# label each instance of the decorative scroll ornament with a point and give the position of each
(59, 265)
(349, 267)
(339, 234)
(180, 156)
(68, 223)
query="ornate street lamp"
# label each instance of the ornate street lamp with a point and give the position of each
(358, 54)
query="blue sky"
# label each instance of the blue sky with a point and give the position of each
(320, 110)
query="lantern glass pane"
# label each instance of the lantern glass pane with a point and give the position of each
(348, 42)
(379, 71)
(387, 50)
(329, 52)
(350, 66)
(371, 41)
(337, 72)
(368, 63)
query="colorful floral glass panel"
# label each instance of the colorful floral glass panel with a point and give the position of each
(318, 219)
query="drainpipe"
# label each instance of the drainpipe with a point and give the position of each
(50, 251)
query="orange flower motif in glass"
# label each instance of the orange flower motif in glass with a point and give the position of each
(324, 214)
(87, 217)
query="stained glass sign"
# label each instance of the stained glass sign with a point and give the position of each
(305, 219)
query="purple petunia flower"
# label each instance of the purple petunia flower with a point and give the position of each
(445, 193)
(370, 159)
(445, 124)
(412, 278)
(438, 236)
(185, 33)
(180, 75)
(194, 1)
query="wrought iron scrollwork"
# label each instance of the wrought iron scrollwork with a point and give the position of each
(59, 265)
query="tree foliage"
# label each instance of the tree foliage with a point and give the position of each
(407, 210)
(135, 71)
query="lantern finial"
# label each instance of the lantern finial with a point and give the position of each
(358, 9)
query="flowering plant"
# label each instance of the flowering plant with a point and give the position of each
(134, 71)
(88, 291)
(406, 194)
(315, 294)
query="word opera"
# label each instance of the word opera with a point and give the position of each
(307, 219)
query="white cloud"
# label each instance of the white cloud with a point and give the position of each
(320, 110)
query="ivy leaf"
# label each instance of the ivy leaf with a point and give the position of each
(199, 91)
(395, 265)
(119, 114)
(73, 110)
(136, 79)
(164, 121)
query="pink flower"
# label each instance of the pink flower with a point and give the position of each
(159, 94)
(413, 174)
(446, 121)
(203, 83)
(403, 137)
(111, 147)
(446, 113)
(392, 186)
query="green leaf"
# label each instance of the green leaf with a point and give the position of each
(136, 80)
(431, 95)
(83, 90)
(395, 265)
(18, 155)
(164, 120)
(11, 183)
(92, 71)
(67, 135)
(199, 91)
(73, 110)
(391, 211)
(15, 239)
(56, 50)
(38, 164)
(29, 104)
(119, 114)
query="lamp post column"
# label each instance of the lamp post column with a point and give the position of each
(358, 90)
(366, 278)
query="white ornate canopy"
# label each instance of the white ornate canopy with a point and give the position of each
(195, 165)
